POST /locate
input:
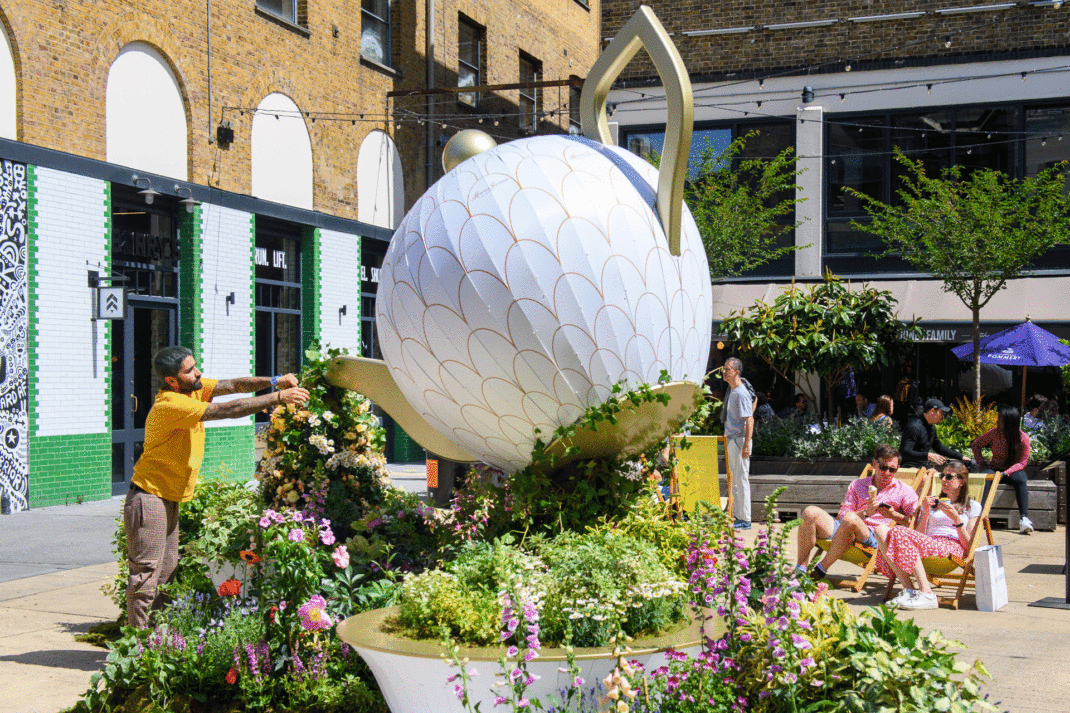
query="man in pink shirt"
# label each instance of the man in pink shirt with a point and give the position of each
(889, 501)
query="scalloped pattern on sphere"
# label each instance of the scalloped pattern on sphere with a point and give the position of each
(527, 282)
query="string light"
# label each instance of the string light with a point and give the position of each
(843, 98)
(947, 42)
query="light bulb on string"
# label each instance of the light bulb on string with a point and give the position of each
(847, 67)
(1023, 76)
(761, 84)
(929, 87)
(843, 98)
(947, 42)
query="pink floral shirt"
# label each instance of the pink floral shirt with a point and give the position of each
(998, 461)
(896, 493)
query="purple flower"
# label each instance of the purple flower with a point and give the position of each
(800, 642)
(512, 652)
(296, 535)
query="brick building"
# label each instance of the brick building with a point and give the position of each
(843, 82)
(239, 170)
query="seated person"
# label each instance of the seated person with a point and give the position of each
(920, 445)
(798, 410)
(882, 413)
(888, 502)
(1034, 408)
(863, 408)
(764, 410)
(944, 528)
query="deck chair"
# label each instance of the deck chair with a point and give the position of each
(697, 475)
(952, 571)
(920, 480)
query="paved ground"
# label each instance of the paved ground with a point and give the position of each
(53, 562)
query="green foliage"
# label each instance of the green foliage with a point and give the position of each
(740, 206)
(329, 449)
(882, 663)
(777, 436)
(546, 495)
(590, 586)
(855, 439)
(966, 422)
(973, 229)
(825, 328)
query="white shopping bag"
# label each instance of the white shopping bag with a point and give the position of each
(990, 578)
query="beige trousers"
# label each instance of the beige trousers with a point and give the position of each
(151, 525)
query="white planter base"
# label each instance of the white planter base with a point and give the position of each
(413, 676)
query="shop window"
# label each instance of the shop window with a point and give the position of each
(375, 31)
(277, 260)
(575, 125)
(530, 98)
(470, 55)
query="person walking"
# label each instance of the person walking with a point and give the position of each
(1010, 453)
(739, 432)
(167, 471)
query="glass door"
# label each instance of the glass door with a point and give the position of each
(146, 329)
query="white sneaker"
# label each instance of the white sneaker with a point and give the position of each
(1027, 526)
(920, 600)
(904, 596)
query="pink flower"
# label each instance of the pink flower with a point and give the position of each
(513, 651)
(522, 703)
(327, 537)
(340, 556)
(800, 642)
(314, 614)
(265, 521)
(577, 682)
(296, 535)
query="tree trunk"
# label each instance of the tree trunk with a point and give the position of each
(977, 358)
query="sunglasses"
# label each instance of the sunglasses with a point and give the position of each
(947, 476)
(888, 468)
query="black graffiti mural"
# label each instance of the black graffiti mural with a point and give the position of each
(14, 368)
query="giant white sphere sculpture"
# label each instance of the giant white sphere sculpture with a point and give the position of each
(527, 282)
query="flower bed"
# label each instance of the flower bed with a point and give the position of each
(570, 556)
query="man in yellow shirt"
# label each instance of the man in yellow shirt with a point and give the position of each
(167, 470)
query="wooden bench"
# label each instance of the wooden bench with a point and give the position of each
(827, 491)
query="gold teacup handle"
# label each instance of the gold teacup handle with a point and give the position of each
(644, 30)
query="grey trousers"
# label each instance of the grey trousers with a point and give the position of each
(151, 525)
(740, 478)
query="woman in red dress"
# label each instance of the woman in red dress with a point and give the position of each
(944, 528)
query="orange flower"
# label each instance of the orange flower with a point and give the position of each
(230, 588)
(232, 675)
(250, 557)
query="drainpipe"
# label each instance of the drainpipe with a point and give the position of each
(429, 128)
(208, 24)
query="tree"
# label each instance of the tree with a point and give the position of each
(974, 231)
(824, 328)
(737, 204)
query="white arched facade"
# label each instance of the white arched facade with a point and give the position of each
(7, 87)
(380, 184)
(281, 153)
(145, 125)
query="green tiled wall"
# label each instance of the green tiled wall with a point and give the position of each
(310, 288)
(67, 469)
(229, 451)
(191, 282)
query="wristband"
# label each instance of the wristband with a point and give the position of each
(960, 524)
(274, 382)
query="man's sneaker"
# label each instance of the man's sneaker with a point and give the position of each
(904, 596)
(920, 600)
(742, 525)
(1027, 526)
(817, 574)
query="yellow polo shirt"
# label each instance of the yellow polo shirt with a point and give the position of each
(174, 444)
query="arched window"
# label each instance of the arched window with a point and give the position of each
(145, 125)
(282, 153)
(380, 184)
(7, 88)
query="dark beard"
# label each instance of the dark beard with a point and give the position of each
(195, 386)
